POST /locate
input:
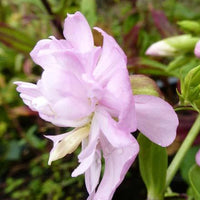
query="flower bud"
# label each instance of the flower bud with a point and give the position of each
(142, 84)
(172, 46)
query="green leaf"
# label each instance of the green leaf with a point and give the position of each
(178, 62)
(189, 25)
(153, 167)
(194, 178)
(190, 88)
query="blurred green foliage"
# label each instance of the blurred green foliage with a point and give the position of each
(24, 173)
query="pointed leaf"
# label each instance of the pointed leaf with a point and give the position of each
(153, 167)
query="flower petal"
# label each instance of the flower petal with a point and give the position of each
(92, 175)
(88, 153)
(112, 131)
(41, 53)
(112, 59)
(117, 163)
(71, 108)
(198, 158)
(60, 83)
(119, 98)
(77, 31)
(66, 143)
(197, 50)
(156, 119)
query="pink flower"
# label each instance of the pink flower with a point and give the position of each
(88, 88)
(197, 50)
(198, 158)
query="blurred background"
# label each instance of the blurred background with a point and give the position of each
(135, 24)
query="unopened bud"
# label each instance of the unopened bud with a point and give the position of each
(172, 46)
(142, 84)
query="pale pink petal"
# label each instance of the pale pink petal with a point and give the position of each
(198, 158)
(117, 163)
(89, 59)
(112, 59)
(117, 87)
(112, 131)
(60, 83)
(197, 50)
(156, 119)
(109, 40)
(27, 88)
(77, 31)
(71, 108)
(63, 122)
(32, 97)
(92, 175)
(67, 60)
(88, 153)
(44, 48)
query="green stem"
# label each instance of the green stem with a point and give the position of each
(175, 164)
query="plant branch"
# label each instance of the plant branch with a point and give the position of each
(175, 164)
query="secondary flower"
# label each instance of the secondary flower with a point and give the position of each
(161, 48)
(198, 158)
(88, 88)
(197, 49)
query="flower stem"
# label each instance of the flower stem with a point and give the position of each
(175, 164)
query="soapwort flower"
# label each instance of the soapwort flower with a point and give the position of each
(198, 158)
(88, 88)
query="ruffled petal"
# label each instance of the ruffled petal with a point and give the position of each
(32, 97)
(77, 31)
(117, 163)
(123, 108)
(43, 50)
(112, 59)
(156, 119)
(60, 83)
(198, 158)
(92, 175)
(88, 153)
(112, 131)
(71, 108)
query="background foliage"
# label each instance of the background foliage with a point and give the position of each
(136, 24)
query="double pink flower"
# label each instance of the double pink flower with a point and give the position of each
(88, 88)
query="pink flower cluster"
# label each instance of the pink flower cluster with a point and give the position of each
(88, 88)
